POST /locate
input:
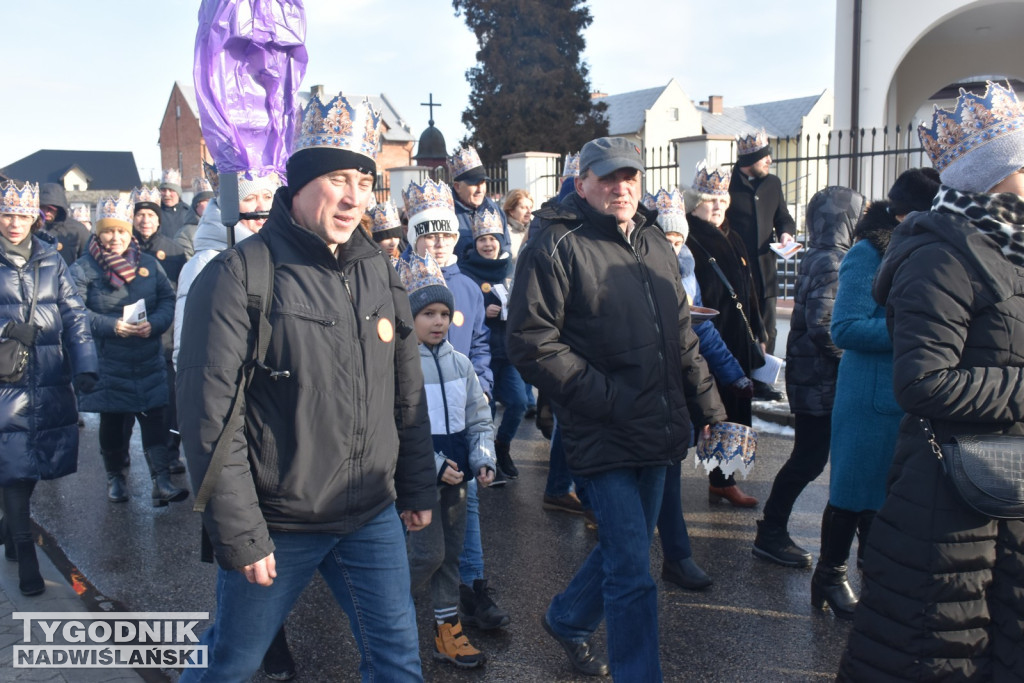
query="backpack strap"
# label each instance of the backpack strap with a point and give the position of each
(258, 264)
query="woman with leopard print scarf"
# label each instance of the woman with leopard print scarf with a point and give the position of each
(942, 588)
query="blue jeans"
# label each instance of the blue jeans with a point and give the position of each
(675, 541)
(615, 581)
(560, 480)
(508, 388)
(471, 561)
(368, 572)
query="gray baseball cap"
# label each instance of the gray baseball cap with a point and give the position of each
(606, 155)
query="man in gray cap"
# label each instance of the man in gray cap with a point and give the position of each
(598, 321)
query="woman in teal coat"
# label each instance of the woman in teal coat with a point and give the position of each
(865, 416)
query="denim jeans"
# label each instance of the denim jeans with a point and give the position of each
(560, 480)
(615, 581)
(675, 540)
(471, 561)
(508, 388)
(368, 572)
(434, 551)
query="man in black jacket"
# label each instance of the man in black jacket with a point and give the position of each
(71, 237)
(598, 320)
(758, 213)
(336, 433)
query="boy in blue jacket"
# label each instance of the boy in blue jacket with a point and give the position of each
(460, 423)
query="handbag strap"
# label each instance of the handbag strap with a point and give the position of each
(929, 432)
(728, 287)
(35, 293)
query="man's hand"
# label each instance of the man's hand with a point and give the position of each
(493, 311)
(785, 239)
(262, 572)
(416, 519)
(143, 329)
(485, 476)
(705, 433)
(452, 475)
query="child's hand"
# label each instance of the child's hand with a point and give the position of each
(485, 476)
(452, 475)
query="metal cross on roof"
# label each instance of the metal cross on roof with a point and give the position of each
(431, 104)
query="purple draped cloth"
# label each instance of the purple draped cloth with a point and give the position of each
(250, 58)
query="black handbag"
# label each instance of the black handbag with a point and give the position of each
(987, 471)
(757, 359)
(14, 354)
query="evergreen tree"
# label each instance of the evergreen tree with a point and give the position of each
(530, 88)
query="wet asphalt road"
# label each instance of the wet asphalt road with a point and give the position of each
(754, 624)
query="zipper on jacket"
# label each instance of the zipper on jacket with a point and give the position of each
(318, 321)
(376, 311)
(444, 395)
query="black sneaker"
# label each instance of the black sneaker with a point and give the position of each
(775, 545)
(478, 608)
(581, 655)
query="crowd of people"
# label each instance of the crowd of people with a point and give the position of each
(335, 368)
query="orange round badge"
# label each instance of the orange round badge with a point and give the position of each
(385, 331)
(143, 272)
(161, 254)
(60, 246)
(486, 287)
(458, 319)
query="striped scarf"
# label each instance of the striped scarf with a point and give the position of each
(119, 268)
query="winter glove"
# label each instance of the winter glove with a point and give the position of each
(743, 388)
(86, 381)
(26, 333)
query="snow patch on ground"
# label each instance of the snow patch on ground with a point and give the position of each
(766, 427)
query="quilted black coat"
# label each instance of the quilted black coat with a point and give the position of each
(943, 596)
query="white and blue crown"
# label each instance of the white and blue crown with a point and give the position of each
(340, 124)
(487, 222)
(463, 160)
(113, 212)
(431, 209)
(571, 168)
(21, 201)
(748, 144)
(714, 183)
(671, 209)
(979, 142)
(384, 216)
(145, 195)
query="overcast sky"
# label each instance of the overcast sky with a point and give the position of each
(97, 75)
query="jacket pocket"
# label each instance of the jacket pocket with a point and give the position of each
(884, 400)
(267, 475)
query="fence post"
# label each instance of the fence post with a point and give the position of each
(533, 172)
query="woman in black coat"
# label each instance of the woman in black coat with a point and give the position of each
(115, 273)
(943, 595)
(38, 415)
(710, 237)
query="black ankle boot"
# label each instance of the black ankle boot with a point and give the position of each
(863, 529)
(30, 581)
(829, 583)
(164, 491)
(117, 488)
(505, 464)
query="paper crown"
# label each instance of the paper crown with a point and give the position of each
(980, 142)
(713, 183)
(340, 124)
(419, 271)
(200, 184)
(251, 182)
(571, 169)
(113, 211)
(147, 195)
(487, 222)
(384, 216)
(463, 160)
(748, 144)
(431, 209)
(82, 214)
(671, 209)
(171, 176)
(21, 201)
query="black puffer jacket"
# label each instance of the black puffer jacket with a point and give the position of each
(132, 373)
(602, 326)
(70, 237)
(336, 442)
(38, 414)
(943, 589)
(812, 360)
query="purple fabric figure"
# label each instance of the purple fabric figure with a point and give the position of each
(250, 58)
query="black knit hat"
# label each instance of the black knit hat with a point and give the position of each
(914, 190)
